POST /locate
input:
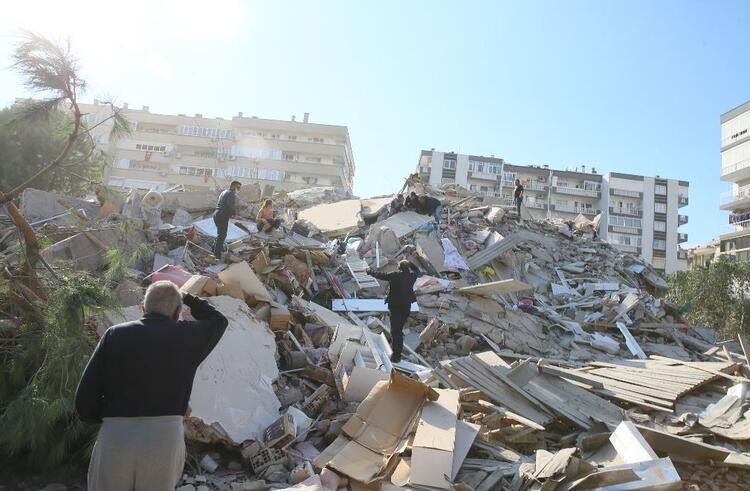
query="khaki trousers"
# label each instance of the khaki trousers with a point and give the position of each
(138, 454)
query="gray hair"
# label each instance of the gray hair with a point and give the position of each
(162, 297)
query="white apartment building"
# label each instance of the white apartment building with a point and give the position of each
(640, 214)
(199, 152)
(735, 168)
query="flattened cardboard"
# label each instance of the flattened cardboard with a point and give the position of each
(378, 430)
(466, 433)
(432, 449)
(241, 274)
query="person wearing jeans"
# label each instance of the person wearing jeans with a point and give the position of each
(226, 207)
(518, 197)
(399, 299)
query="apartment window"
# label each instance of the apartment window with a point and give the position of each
(315, 139)
(310, 180)
(625, 240)
(121, 164)
(449, 164)
(195, 171)
(316, 160)
(472, 187)
(622, 221)
(660, 244)
(476, 166)
(150, 148)
(561, 202)
(292, 137)
(493, 169)
(660, 189)
(274, 136)
(215, 133)
(660, 226)
(290, 156)
(660, 207)
(562, 184)
(591, 186)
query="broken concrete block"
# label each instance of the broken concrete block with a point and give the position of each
(182, 218)
(233, 386)
(209, 464)
(37, 204)
(333, 219)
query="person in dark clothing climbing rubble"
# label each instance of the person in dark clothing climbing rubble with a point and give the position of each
(399, 299)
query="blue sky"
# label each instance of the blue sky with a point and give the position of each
(634, 86)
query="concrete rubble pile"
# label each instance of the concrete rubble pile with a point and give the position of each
(537, 357)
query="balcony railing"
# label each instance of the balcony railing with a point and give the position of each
(576, 209)
(633, 212)
(682, 237)
(536, 186)
(682, 200)
(577, 191)
(682, 219)
(625, 192)
(735, 167)
(625, 230)
(735, 227)
(536, 204)
(508, 184)
(682, 254)
(731, 195)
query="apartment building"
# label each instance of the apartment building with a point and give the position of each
(199, 152)
(702, 255)
(640, 214)
(735, 168)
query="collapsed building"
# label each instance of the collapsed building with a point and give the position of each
(537, 356)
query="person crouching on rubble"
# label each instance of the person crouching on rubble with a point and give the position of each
(226, 208)
(411, 203)
(265, 219)
(399, 299)
(397, 204)
(431, 206)
(138, 383)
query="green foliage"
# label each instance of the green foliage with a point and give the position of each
(716, 295)
(37, 411)
(27, 145)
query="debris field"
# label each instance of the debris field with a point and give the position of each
(536, 356)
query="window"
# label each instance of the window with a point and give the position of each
(493, 169)
(476, 166)
(274, 136)
(591, 186)
(292, 137)
(316, 160)
(629, 240)
(660, 244)
(315, 139)
(215, 133)
(150, 148)
(660, 189)
(195, 171)
(121, 164)
(449, 164)
(622, 221)
(290, 156)
(660, 207)
(660, 226)
(257, 153)
(253, 173)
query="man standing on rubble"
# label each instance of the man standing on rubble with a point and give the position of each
(138, 383)
(226, 207)
(518, 197)
(399, 299)
(431, 206)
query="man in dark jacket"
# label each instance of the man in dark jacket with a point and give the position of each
(399, 299)
(431, 206)
(226, 208)
(138, 383)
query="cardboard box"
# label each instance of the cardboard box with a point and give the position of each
(279, 318)
(432, 449)
(242, 275)
(378, 432)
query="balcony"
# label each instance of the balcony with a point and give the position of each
(593, 193)
(735, 200)
(682, 237)
(536, 186)
(625, 192)
(682, 220)
(631, 212)
(737, 171)
(620, 229)
(682, 200)
(575, 209)
(682, 254)
(737, 228)
(508, 184)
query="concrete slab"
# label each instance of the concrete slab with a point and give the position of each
(36, 204)
(233, 386)
(208, 227)
(402, 224)
(334, 219)
(87, 250)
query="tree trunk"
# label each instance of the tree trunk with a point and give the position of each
(29, 237)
